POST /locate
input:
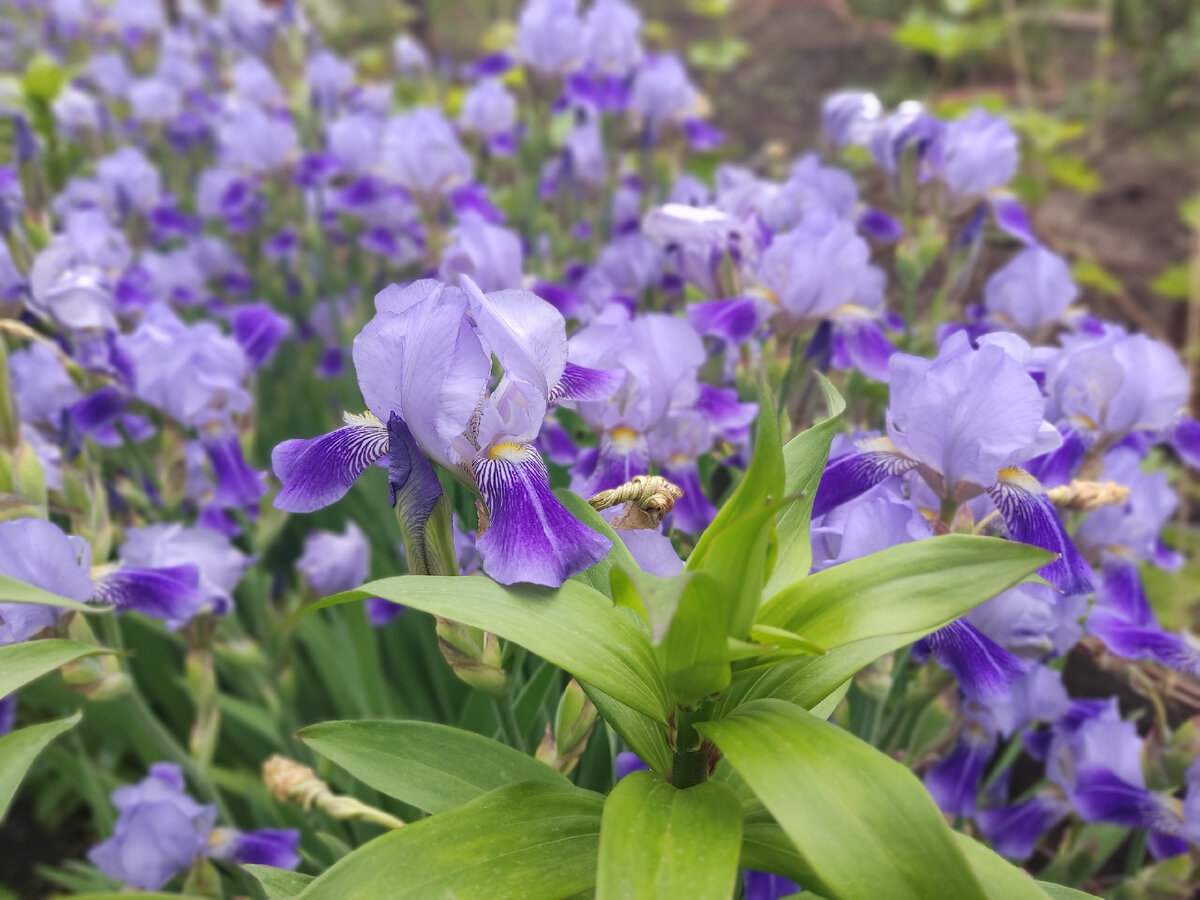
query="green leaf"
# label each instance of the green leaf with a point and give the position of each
(1072, 171)
(432, 767)
(645, 736)
(766, 848)
(720, 55)
(43, 79)
(598, 576)
(914, 587)
(22, 663)
(863, 824)
(1173, 282)
(763, 481)
(1001, 880)
(13, 591)
(575, 627)
(1090, 273)
(19, 749)
(694, 653)
(659, 841)
(1062, 892)
(517, 842)
(279, 884)
(804, 458)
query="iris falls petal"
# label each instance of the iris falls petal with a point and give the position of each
(319, 471)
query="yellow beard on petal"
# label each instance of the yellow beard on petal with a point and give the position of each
(508, 451)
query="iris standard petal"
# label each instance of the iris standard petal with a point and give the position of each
(523, 331)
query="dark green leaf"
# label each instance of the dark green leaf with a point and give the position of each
(575, 627)
(19, 749)
(23, 662)
(432, 767)
(659, 841)
(519, 842)
(1062, 892)
(862, 823)
(645, 736)
(619, 556)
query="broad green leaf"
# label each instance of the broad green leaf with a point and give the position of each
(19, 749)
(659, 841)
(694, 653)
(1090, 273)
(1062, 892)
(804, 458)
(13, 591)
(645, 736)
(862, 823)
(1072, 171)
(763, 481)
(1173, 282)
(575, 627)
(515, 843)
(279, 884)
(619, 556)
(432, 767)
(910, 587)
(766, 848)
(22, 663)
(1001, 880)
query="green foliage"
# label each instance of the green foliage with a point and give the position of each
(22, 663)
(19, 749)
(659, 841)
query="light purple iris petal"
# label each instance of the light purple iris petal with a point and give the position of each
(1032, 290)
(1014, 831)
(1010, 217)
(652, 550)
(333, 562)
(976, 153)
(733, 321)
(1132, 641)
(422, 154)
(1031, 518)
(1031, 620)
(530, 537)
(966, 415)
(37, 552)
(319, 471)
(490, 255)
(1059, 466)
(854, 474)
(880, 518)
(550, 35)
(985, 670)
(583, 383)
(420, 357)
(380, 611)
(954, 781)
(523, 331)
(275, 847)
(172, 593)
(618, 461)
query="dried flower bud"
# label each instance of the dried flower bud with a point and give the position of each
(647, 499)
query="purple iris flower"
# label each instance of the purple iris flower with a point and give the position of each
(815, 268)
(879, 518)
(194, 373)
(490, 255)
(696, 240)
(1129, 530)
(954, 780)
(550, 35)
(660, 356)
(129, 180)
(77, 112)
(250, 139)
(1014, 831)
(1031, 291)
(332, 562)
(160, 831)
(37, 552)
(490, 111)
(422, 154)
(237, 484)
(1111, 383)
(812, 185)
(964, 422)
(848, 117)
(611, 42)
(909, 129)
(329, 78)
(662, 93)
(424, 364)
(355, 140)
(1031, 620)
(975, 154)
(154, 100)
(109, 72)
(71, 281)
(41, 386)
(218, 564)
(626, 763)
(254, 81)
(409, 56)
